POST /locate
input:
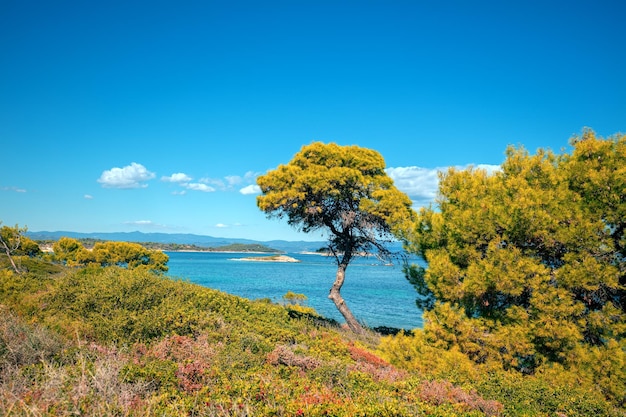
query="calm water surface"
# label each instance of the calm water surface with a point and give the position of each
(378, 295)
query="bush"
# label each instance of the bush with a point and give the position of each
(131, 342)
(550, 391)
(21, 344)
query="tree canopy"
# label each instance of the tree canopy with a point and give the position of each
(126, 254)
(14, 243)
(527, 267)
(343, 191)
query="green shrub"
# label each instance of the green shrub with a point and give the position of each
(158, 374)
(551, 391)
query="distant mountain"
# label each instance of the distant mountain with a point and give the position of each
(180, 238)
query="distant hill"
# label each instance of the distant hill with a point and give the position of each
(181, 238)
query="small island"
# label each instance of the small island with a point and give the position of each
(273, 258)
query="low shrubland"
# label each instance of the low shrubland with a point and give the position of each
(130, 342)
(114, 341)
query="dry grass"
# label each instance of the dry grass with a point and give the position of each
(42, 375)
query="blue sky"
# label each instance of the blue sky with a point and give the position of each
(158, 115)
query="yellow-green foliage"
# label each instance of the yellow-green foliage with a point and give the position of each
(117, 341)
(526, 270)
(416, 353)
(345, 191)
(551, 391)
(324, 183)
(16, 249)
(113, 341)
(131, 255)
(526, 263)
(296, 305)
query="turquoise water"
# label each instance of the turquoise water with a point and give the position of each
(377, 294)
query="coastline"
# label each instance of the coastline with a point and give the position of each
(270, 258)
(221, 251)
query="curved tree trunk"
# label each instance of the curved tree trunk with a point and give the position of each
(8, 252)
(335, 295)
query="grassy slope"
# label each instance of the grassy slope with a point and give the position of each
(118, 342)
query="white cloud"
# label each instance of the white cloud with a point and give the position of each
(183, 180)
(141, 223)
(248, 177)
(221, 226)
(216, 183)
(88, 197)
(251, 176)
(199, 187)
(147, 224)
(491, 169)
(229, 182)
(178, 177)
(15, 189)
(250, 189)
(232, 180)
(131, 176)
(421, 184)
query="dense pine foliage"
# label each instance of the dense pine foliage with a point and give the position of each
(345, 192)
(527, 266)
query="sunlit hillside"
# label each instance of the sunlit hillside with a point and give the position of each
(115, 341)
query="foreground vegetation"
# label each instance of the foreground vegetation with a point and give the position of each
(526, 268)
(116, 341)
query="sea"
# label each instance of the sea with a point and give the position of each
(377, 293)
